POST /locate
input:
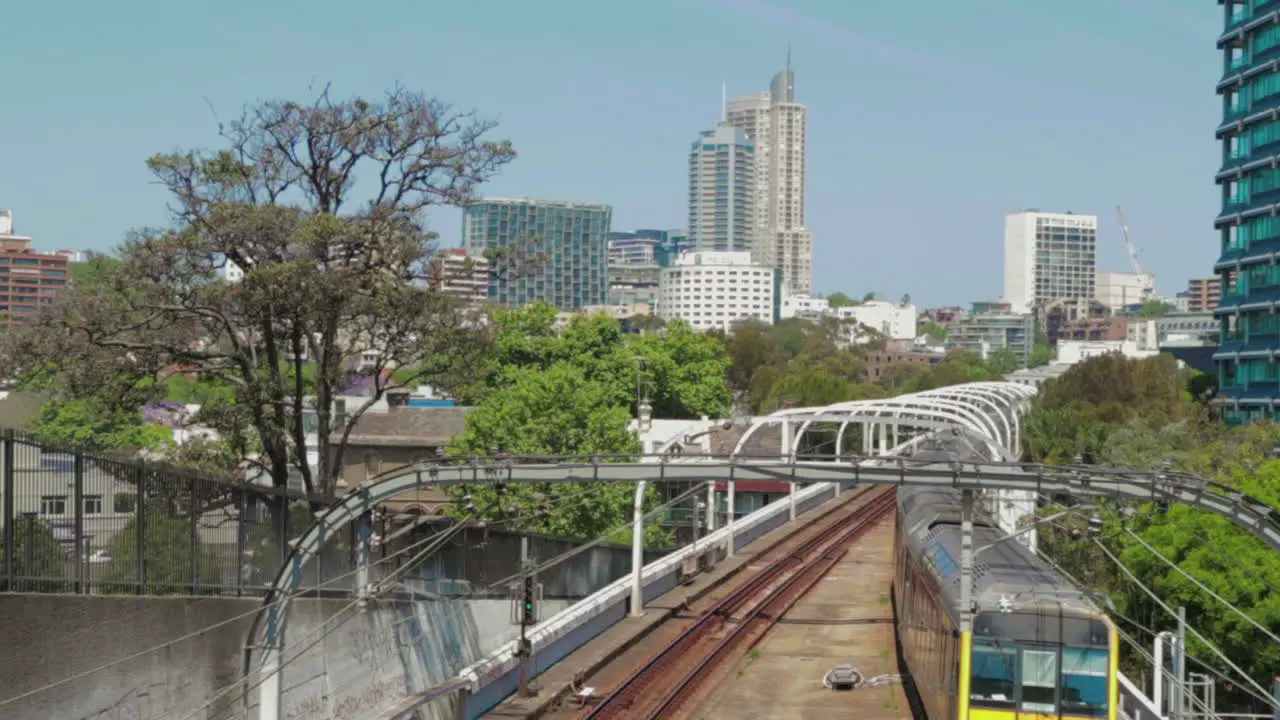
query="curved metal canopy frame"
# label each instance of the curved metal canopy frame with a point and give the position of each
(991, 409)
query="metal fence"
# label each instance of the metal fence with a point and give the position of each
(78, 523)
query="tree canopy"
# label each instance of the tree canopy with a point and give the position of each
(573, 390)
(800, 362)
(1114, 411)
(333, 271)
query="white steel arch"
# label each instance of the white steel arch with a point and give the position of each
(990, 410)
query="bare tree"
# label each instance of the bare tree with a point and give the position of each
(334, 270)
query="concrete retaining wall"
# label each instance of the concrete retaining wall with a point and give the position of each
(367, 663)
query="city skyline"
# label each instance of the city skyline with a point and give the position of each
(911, 133)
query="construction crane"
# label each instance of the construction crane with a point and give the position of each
(1134, 266)
(1128, 243)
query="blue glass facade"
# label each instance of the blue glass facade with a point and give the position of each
(661, 247)
(573, 239)
(1249, 225)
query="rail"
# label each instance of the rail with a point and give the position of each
(759, 603)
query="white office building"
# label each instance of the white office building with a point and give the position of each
(1049, 256)
(711, 290)
(892, 321)
(778, 125)
(722, 191)
(1118, 290)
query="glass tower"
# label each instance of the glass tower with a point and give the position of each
(722, 191)
(1248, 377)
(571, 238)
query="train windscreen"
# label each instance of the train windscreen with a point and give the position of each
(1038, 678)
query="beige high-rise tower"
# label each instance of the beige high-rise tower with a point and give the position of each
(776, 123)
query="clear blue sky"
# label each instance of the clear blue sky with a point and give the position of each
(928, 120)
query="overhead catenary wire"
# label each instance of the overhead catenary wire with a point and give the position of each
(202, 631)
(324, 627)
(1233, 560)
(1258, 694)
(600, 539)
(1113, 611)
(231, 620)
(1203, 587)
(1192, 631)
(249, 684)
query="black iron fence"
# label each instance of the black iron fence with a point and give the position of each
(74, 522)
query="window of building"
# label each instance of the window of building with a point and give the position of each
(92, 504)
(53, 505)
(123, 502)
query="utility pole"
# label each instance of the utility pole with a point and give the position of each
(1275, 693)
(528, 617)
(1182, 664)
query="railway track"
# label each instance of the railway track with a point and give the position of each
(673, 677)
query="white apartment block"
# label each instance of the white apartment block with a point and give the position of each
(1049, 256)
(712, 291)
(232, 273)
(456, 272)
(1118, 290)
(778, 126)
(891, 320)
(722, 191)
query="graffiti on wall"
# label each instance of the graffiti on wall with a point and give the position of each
(145, 701)
(352, 704)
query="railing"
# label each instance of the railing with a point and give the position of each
(75, 522)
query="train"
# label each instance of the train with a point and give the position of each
(1039, 647)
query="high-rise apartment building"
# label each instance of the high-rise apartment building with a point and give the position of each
(722, 184)
(454, 272)
(570, 238)
(28, 279)
(1248, 377)
(1203, 294)
(777, 124)
(1049, 256)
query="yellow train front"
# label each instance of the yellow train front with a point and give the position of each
(1040, 648)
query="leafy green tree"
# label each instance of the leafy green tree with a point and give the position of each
(561, 411)
(838, 300)
(91, 426)
(1155, 308)
(168, 551)
(95, 270)
(1041, 355)
(750, 347)
(1004, 361)
(808, 387)
(935, 332)
(1115, 411)
(39, 560)
(682, 371)
(331, 273)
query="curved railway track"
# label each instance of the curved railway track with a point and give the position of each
(673, 677)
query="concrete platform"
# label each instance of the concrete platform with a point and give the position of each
(846, 618)
(607, 657)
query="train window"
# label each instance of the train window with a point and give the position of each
(1084, 681)
(994, 674)
(1039, 680)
